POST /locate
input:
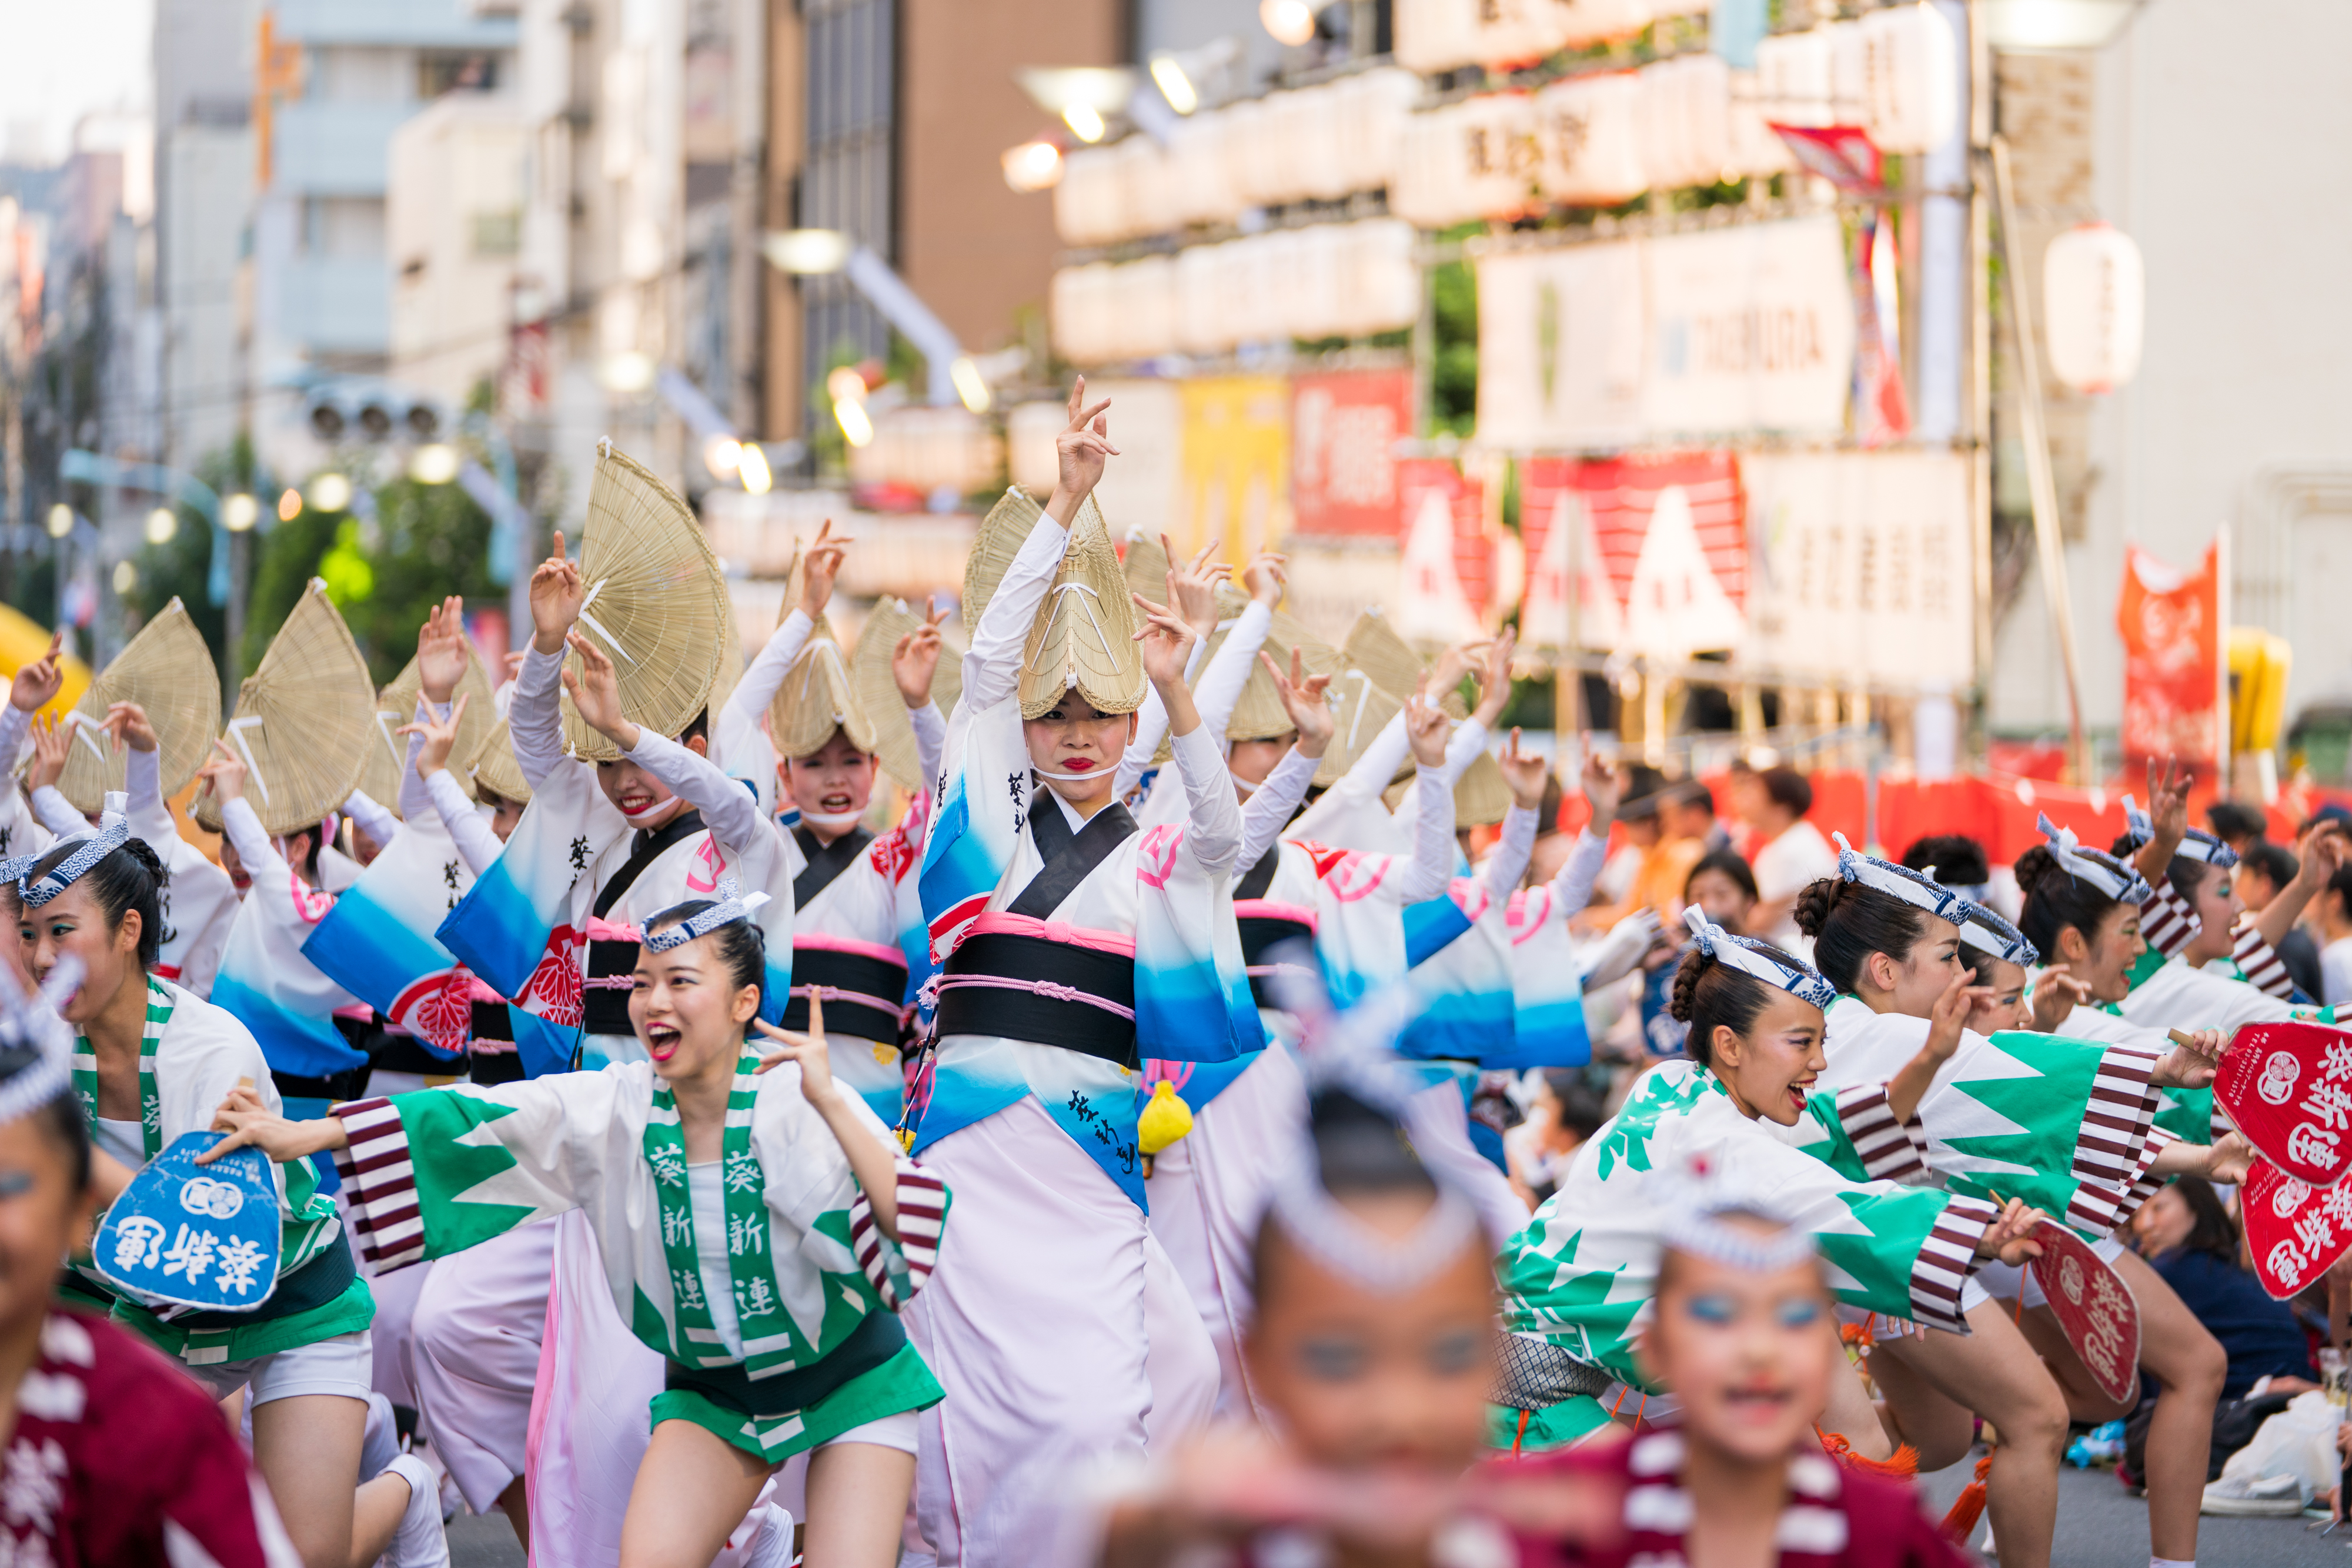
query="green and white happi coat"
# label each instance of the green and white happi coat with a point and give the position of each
(193, 1055)
(438, 1171)
(1583, 1271)
(2066, 1125)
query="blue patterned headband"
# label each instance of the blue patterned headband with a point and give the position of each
(1903, 882)
(32, 1022)
(2104, 871)
(1749, 957)
(733, 905)
(113, 832)
(1987, 933)
(2196, 843)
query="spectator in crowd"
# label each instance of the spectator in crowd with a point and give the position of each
(2237, 826)
(1788, 852)
(1724, 889)
(2335, 902)
(1666, 861)
(1957, 861)
(2189, 1238)
(1568, 1110)
(1612, 890)
(1551, 844)
(1688, 811)
(2264, 870)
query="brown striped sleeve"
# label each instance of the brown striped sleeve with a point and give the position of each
(2264, 971)
(922, 1216)
(381, 1184)
(2165, 919)
(1889, 1150)
(2116, 1121)
(1945, 1262)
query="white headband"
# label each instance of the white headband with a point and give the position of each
(1989, 934)
(1747, 956)
(1695, 1210)
(1901, 881)
(113, 832)
(2104, 871)
(2196, 844)
(733, 905)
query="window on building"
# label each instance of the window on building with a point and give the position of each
(498, 233)
(849, 176)
(473, 71)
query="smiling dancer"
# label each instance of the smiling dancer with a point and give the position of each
(1074, 948)
(758, 1229)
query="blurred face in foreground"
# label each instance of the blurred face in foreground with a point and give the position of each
(1361, 1379)
(1747, 1353)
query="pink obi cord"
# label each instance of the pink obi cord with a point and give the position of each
(858, 999)
(827, 942)
(1271, 909)
(998, 923)
(1046, 989)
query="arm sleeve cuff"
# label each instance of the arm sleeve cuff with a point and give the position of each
(898, 1270)
(1215, 835)
(381, 1182)
(1946, 1261)
(1889, 1150)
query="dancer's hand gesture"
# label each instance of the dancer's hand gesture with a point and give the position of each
(915, 661)
(556, 594)
(595, 689)
(1302, 699)
(1079, 453)
(37, 683)
(817, 1084)
(440, 735)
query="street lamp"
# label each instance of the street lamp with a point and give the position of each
(240, 513)
(435, 463)
(331, 492)
(2055, 23)
(161, 524)
(61, 520)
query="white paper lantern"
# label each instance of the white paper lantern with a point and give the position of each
(1383, 291)
(1087, 209)
(1375, 105)
(1252, 165)
(2095, 294)
(1849, 81)
(1073, 300)
(1283, 132)
(1592, 140)
(1146, 302)
(1589, 21)
(1757, 149)
(1141, 175)
(1432, 34)
(1327, 167)
(1686, 107)
(1792, 71)
(1201, 326)
(1195, 169)
(1910, 78)
(1419, 191)
(1515, 32)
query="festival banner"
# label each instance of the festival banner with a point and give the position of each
(1446, 577)
(1560, 341)
(2173, 671)
(1235, 467)
(1344, 427)
(1664, 552)
(1750, 329)
(1862, 567)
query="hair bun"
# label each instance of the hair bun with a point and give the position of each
(140, 850)
(1681, 1000)
(2031, 867)
(1814, 902)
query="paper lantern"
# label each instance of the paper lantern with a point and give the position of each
(1686, 108)
(1145, 302)
(1589, 21)
(1326, 171)
(2095, 294)
(1848, 83)
(1373, 107)
(1201, 326)
(1910, 63)
(1250, 163)
(1432, 34)
(1756, 149)
(1140, 177)
(1591, 135)
(1419, 191)
(1383, 284)
(1440, 35)
(1792, 71)
(1067, 303)
(1086, 203)
(1198, 192)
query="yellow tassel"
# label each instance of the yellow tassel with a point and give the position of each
(1165, 1119)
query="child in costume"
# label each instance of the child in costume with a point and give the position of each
(114, 1455)
(151, 1063)
(1579, 1279)
(2064, 1123)
(853, 893)
(1744, 1334)
(1073, 948)
(758, 1229)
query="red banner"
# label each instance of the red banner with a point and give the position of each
(2294, 1230)
(1446, 575)
(1344, 428)
(2171, 626)
(2288, 1088)
(1666, 567)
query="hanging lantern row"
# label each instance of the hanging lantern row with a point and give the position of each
(1326, 280)
(1442, 35)
(1317, 143)
(2094, 299)
(928, 449)
(1604, 139)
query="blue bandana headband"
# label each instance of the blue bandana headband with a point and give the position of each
(2196, 843)
(2104, 871)
(1989, 934)
(733, 905)
(1903, 882)
(113, 832)
(1747, 956)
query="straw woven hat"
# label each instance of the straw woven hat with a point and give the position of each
(1084, 637)
(1375, 647)
(494, 768)
(303, 721)
(817, 698)
(1360, 708)
(657, 604)
(1001, 534)
(387, 752)
(869, 669)
(1482, 795)
(167, 671)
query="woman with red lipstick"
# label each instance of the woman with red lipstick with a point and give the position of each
(757, 1226)
(1580, 1279)
(1074, 946)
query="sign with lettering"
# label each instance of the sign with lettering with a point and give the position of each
(2093, 1308)
(2294, 1230)
(2288, 1087)
(195, 1236)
